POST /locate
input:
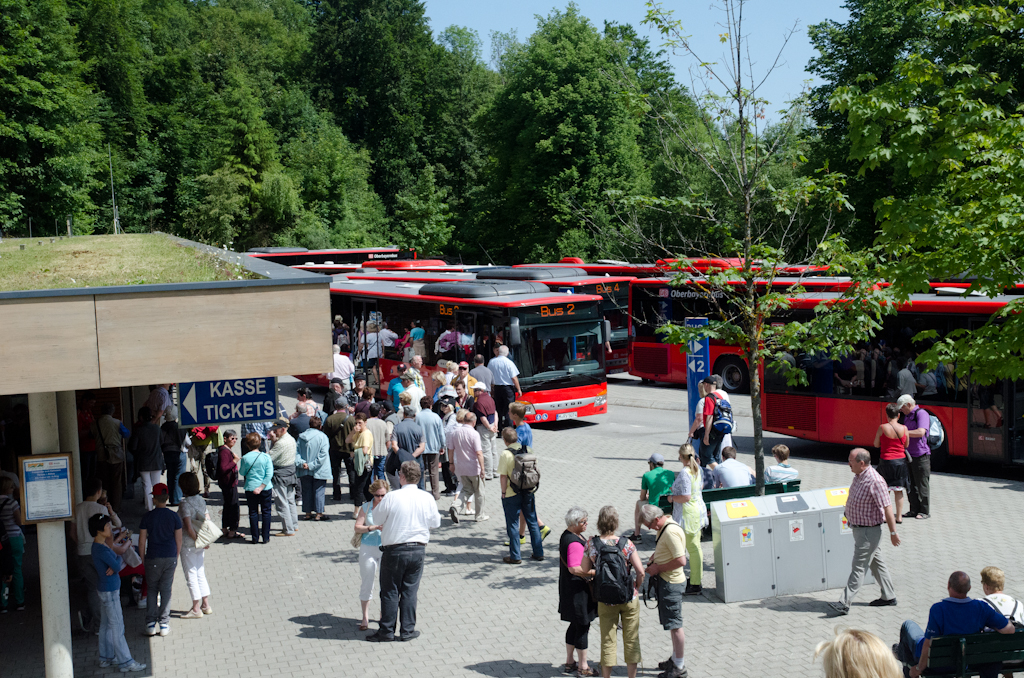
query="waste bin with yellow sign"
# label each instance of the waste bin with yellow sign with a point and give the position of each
(797, 538)
(838, 536)
(744, 555)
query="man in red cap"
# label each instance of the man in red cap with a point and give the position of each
(159, 545)
(463, 375)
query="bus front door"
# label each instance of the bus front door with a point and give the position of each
(987, 421)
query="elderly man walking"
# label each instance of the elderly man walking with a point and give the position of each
(667, 563)
(285, 480)
(404, 518)
(867, 507)
(467, 463)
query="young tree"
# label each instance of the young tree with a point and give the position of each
(739, 197)
(953, 119)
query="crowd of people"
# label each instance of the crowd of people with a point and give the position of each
(387, 443)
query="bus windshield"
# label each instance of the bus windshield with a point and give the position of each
(561, 350)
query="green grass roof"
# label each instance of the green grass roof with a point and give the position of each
(107, 260)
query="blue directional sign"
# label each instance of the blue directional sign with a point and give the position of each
(232, 401)
(698, 359)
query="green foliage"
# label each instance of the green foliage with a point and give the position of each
(422, 215)
(49, 151)
(952, 121)
(560, 136)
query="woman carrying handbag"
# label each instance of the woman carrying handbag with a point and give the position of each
(195, 520)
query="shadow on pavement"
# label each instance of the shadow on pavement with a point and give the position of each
(511, 667)
(326, 626)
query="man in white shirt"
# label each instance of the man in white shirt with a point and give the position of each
(506, 384)
(926, 382)
(343, 368)
(387, 337)
(416, 394)
(404, 518)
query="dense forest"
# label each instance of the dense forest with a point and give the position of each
(349, 123)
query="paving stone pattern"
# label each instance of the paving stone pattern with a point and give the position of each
(291, 607)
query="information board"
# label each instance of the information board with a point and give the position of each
(228, 401)
(47, 487)
(698, 357)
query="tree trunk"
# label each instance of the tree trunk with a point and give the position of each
(755, 407)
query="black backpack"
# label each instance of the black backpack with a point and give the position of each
(613, 584)
(210, 461)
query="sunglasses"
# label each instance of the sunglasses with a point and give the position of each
(380, 495)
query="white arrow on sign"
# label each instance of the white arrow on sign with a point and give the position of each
(693, 365)
(696, 346)
(189, 402)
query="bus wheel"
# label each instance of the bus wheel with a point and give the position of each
(733, 372)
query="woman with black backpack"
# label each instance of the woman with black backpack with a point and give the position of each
(618, 576)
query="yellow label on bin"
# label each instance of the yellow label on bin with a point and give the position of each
(837, 496)
(741, 509)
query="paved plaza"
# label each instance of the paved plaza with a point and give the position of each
(291, 607)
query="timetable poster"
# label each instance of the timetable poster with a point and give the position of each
(47, 487)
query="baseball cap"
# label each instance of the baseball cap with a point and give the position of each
(656, 459)
(280, 423)
(337, 380)
(480, 385)
(159, 489)
(463, 364)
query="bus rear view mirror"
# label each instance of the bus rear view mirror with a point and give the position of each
(514, 337)
(607, 325)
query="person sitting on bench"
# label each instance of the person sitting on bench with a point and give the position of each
(732, 473)
(954, 615)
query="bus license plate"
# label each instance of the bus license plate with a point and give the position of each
(566, 415)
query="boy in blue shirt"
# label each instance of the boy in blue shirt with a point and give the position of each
(517, 413)
(159, 546)
(113, 646)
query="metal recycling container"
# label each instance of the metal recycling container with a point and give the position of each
(744, 554)
(798, 543)
(838, 536)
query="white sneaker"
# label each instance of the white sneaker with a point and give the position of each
(142, 603)
(165, 629)
(133, 667)
(151, 629)
(105, 663)
(481, 519)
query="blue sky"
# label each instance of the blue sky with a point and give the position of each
(766, 23)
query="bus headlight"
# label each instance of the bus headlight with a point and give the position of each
(530, 409)
(600, 401)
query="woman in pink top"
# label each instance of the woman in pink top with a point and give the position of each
(892, 438)
(574, 602)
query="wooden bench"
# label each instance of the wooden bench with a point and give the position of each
(962, 655)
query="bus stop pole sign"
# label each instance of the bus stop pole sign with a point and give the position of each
(698, 358)
(230, 401)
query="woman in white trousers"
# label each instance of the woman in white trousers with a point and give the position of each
(369, 547)
(193, 512)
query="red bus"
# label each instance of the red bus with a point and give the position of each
(291, 256)
(653, 302)
(555, 339)
(844, 400)
(613, 289)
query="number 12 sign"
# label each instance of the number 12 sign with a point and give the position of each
(698, 356)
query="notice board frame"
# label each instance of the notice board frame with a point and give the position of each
(68, 458)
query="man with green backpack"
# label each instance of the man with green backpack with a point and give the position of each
(520, 478)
